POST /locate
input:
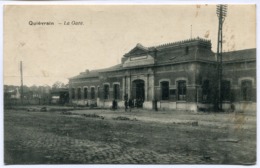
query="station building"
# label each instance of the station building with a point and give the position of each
(180, 75)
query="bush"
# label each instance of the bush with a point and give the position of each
(66, 113)
(121, 118)
(93, 116)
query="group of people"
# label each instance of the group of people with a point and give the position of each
(129, 103)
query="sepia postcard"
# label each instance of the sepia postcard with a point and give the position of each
(130, 84)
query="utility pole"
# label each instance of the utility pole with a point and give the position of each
(221, 12)
(21, 71)
(191, 31)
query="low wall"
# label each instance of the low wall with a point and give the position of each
(148, 105)
(108, 104)
(239, 106)
(235, 106)
(245, 106)
(84, 102)
(186, 106)
(168, 105)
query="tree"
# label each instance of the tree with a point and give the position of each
(59, 84)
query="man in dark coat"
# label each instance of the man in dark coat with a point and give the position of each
(126, 104)
(114, 104)
(130, 103)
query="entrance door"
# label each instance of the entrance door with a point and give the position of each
(138, 92)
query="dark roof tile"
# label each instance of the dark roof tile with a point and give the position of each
(247, 54)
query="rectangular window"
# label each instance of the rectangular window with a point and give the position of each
(225, 90)
(85, 93)
(92, 93)
(246, 90)
(79, 93)
(116, 91)
(181, 90)
(165, 90)
(106, 91)
(73, 93)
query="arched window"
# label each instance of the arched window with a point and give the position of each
(73, 93)
(165, 90)
(106, 91)
(246, 90)
(85, 93)
(116, 91)
(205, 90)
(79, 93)
(92, 92)
(181, 90)
(225, 90)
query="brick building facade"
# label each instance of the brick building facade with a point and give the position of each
(180, 75)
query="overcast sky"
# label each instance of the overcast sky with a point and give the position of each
(55, 53)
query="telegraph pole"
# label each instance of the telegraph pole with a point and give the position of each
(21, 71)
(191, 31)
(221, 12)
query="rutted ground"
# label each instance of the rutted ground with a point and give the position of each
(56, 137)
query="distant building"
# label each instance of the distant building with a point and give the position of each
(31, 95)
(12, 94)
(180, 75)
(60, 96)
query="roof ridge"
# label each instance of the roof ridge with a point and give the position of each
(141, 46)
(181, 42)
(239, 50)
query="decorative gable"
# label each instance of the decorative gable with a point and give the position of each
(138, 56)
(139, 60)
(139, 49)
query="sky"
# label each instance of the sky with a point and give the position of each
(58, 52)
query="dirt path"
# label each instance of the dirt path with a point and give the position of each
(222, 120)
(54, 137)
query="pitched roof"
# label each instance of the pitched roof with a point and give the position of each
(183, 42)
(113, 68)
(176, 56)
(239, 55)
(88, 74)
(95, 73)
(59, 90)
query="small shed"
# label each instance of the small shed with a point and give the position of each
(60, 96)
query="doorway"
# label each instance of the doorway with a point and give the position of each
(138, 92)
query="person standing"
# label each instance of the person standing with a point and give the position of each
(126, 101)
(130, 103)
(126, 104)
(114, 104)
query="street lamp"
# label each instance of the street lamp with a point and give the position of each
(221, 13)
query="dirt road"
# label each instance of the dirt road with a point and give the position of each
(103, 136)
